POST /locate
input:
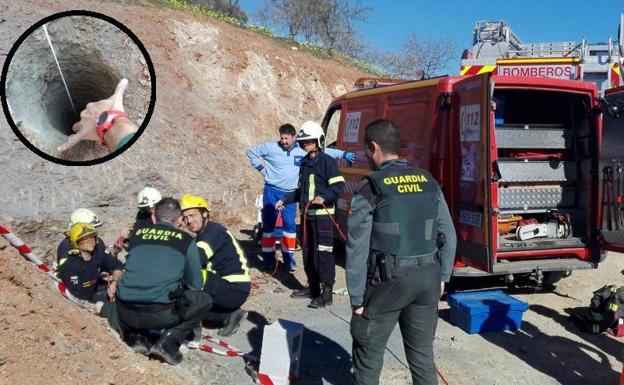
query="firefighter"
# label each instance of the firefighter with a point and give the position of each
(146, 201)
(80, 215)
(320, 185)
(224, 265)
(400, 251)
(279, 162)
(161, 287)
(82, 269)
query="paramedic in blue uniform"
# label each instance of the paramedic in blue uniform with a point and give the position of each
(279, 162)
(400, 252)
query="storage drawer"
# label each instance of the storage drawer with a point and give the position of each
(537, 171)
(531, 198)
(519, 136)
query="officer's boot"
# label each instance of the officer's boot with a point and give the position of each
(312, 291)
(196, 334)
(232, 323)
(323, 299)
(139, 343)
(303, 293)
(167, 350)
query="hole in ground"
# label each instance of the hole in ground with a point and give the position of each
(88, 80)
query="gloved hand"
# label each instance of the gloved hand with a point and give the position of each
(349, 156)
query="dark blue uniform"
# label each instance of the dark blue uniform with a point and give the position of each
(318, 176)
(225, 270)
(81, 277)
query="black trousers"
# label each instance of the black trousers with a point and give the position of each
(412, 301)
(226, 296)
(138, 318)
(318, 255)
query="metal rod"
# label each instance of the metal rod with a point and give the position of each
(45, 29)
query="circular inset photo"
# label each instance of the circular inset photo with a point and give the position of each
(78, 88)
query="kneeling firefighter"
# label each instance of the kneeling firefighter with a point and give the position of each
(161, 287)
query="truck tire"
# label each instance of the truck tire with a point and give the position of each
(552, 277)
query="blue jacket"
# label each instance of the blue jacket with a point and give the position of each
(280, 167)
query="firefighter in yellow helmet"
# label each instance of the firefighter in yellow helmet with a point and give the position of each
(224, 265)
(82, 269)
(81, 215)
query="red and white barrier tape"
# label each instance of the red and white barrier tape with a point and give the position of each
(27, 253)
(229, 351)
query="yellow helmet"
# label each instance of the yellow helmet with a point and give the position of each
(80, 231)
(189, 201)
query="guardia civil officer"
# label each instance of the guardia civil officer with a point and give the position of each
(161, 286)
(400, 251)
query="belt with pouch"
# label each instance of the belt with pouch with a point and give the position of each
(415, 261)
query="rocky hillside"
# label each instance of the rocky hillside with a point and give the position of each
(220, 89)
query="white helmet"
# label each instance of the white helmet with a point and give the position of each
(148, 197)
(83, 215)
(311, 130)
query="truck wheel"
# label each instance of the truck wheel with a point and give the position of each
(552, 277)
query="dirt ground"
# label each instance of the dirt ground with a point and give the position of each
(221, 89)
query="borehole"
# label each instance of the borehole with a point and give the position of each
(93, 56)
(88, 80)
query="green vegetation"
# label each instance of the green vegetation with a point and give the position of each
(264, 31)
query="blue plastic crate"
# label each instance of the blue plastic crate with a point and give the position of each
(486, 311)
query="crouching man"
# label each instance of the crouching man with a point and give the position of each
(161, 287)
(224, 265)
(82, 268)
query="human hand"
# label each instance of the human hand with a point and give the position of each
(112, 288)
(125, 233)
(279, 205)
(349, 156)
(318, 200)
(85, 128)
(359, 310)
(441, 289)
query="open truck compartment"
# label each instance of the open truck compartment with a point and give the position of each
(542, 168)
(612, 167)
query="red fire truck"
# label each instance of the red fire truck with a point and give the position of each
(497, 49)
(532, 168)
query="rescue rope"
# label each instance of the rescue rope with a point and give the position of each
(264, 278)
(45, 30)
(331, 217)
(27, 253)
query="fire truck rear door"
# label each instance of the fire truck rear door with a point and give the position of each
(472, 208)
(612, 167)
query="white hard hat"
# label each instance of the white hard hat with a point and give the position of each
(311, 130)
(148, 197)
(83, 215)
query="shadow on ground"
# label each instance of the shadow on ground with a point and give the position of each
(567, 361)
(323, 361)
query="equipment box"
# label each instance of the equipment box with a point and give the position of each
(486, 311)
